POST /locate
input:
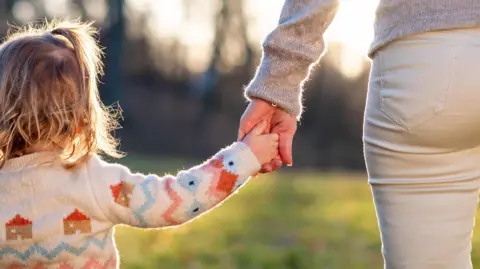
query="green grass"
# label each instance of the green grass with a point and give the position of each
(285, 220)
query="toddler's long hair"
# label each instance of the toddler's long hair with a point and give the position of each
(49, 96)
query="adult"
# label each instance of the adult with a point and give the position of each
(422, 118)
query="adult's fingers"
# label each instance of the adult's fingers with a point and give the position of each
(285, 125)
(256, 111)
(285, 148)
(243, 129)
(274, 165)
(249, 119)
(266, 168)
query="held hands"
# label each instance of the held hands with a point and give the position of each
(277, 121)
(264, 146)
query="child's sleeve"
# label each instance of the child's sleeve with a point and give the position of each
(150, 201)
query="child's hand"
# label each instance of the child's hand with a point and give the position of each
(264, 146)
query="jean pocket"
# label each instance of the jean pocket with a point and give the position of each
(415, 82)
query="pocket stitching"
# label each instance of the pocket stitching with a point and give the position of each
(436, 110)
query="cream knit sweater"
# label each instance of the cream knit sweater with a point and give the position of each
(55, 218)
(297, 42)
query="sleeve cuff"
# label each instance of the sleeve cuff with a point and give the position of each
(246, 163)
(288, 100)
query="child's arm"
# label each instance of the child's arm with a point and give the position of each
(150, 201)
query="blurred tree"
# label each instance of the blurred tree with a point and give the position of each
(115, 37)
(230, 34)
(81, 8)
(7, 12)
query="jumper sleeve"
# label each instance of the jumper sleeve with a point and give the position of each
(289, 51)
(150, 201)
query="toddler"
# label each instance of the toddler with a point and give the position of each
(59, 201)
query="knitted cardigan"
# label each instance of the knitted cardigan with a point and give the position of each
(53, 218)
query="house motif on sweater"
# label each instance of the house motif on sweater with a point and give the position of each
(122, 193)
(18, 228)
(77, 222)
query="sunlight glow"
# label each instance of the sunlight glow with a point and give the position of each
(352, 27)
(97, 9)
(168, 19)
(23, 11)
(139, 6)
(262, 17)
(56, 8)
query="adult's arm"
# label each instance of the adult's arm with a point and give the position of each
(289, 51)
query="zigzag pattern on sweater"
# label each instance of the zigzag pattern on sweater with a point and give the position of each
(149, 201)
(94, 264)
(90, 264)
(50, 255)
(176, 202)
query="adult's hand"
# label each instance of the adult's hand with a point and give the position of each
(278, 121)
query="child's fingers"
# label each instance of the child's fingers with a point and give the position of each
(270, 140)
(274, 146)
(273, 137)
(259, 128)
(274, 143)
(274, 151)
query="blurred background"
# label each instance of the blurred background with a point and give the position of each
(177, 69)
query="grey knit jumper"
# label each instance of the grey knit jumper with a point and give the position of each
(297, 42)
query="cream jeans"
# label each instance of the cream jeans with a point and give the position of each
(422, 148)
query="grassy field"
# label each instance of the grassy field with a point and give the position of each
(282, 221)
